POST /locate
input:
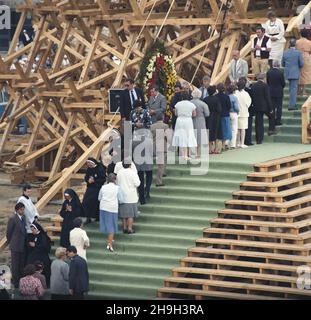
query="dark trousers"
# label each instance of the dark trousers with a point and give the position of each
(278, 107)
(78, 296)
(18, 264)
(60, 297)
(249, 131)
(271, 117)
(259, 126)
(144, 189)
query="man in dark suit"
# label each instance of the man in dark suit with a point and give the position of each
(78, 274)
(276, 83)
(129, 95)
(262, 105)
(249, 130)
(16, 236)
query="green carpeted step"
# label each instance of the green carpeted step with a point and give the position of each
(102, 289)
(172, 209)
(191, 191)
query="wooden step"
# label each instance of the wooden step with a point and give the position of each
(280, 172)
(306, 260)
(187, 271)
(283, 205)
(198, 294)
(255, 244)
(53, 230)
(193, 261)
(220, 285)
(253, 233)
(282, 194)
(282, 161)
(258, 223)
(276, 184)
(252, 213)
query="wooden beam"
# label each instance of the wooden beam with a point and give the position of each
(63, 144)
(89, 59)
(61, 47)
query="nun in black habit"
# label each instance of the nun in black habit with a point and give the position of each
(38, 249)
(71, 209)
(95, 177)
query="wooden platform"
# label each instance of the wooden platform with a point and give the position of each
(255, 246)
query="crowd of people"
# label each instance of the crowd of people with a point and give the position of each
(30, 246)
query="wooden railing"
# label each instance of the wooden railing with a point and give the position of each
(305, 122)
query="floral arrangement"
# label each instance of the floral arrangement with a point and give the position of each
(158, 68)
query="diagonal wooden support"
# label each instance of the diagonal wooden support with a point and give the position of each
(85, 114)
(37, 127)
(35, 45)
(89, 59)
(63, 144)
(61, 47)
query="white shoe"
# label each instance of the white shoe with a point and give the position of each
(243, 146)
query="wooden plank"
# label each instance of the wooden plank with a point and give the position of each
(17, 33)
(63, 144)
(61, 47)
(89, 59)
(37, 127)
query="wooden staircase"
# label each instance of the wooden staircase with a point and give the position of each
(254, 247)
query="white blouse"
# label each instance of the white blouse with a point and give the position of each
(276, 27)
(128, 181)
(245, 102)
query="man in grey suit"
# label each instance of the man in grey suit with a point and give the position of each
(206, 81)
(292, 62)
(157, 103)
(238, 67)
(16, 236)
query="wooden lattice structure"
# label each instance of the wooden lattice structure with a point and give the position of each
(255, 246)
(83, 48)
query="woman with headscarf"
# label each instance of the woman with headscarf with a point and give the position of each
(39, 246)
(71, 209)
(95, 177)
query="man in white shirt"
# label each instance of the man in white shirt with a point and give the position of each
(79, 238)
(238, 67)
(31, 212)
(261, 48)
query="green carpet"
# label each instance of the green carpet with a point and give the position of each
(175, 217)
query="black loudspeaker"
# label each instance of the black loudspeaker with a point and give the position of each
(115, 100)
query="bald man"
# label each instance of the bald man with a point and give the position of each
(238, 67)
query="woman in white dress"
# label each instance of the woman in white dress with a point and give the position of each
(245, 102)
(184, 136)
(275, 30)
